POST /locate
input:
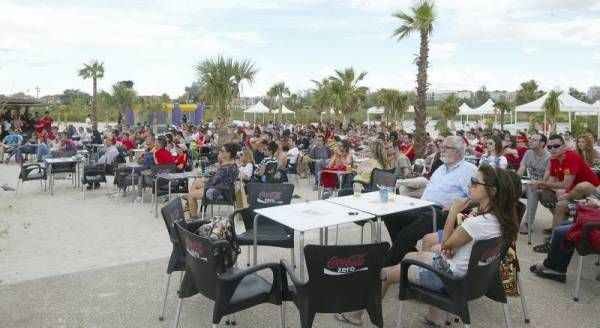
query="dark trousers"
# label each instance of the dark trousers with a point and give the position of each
(407, 228)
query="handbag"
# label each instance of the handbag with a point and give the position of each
(583, 215)
(241, 200)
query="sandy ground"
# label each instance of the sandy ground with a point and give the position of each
(99, 262)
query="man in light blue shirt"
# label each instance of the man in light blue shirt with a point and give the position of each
(9, 143)
(449, 181)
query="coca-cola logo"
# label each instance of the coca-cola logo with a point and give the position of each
(269, 197)
(489, 255)
(196, 250)
(337, 266)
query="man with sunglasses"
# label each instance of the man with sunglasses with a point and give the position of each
(535, 163)
(566, 170)
(449, 181)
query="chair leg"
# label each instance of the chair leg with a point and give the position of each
(337, 230)
(293, 257)
(578, 281)
(282, 315)
(176, 323)
(598, 260)
(362, 234)
(17, 189)
(399, 321)
(164, 302)
(523, 302)
(248, 262)
(506, 315)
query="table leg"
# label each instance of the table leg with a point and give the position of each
(434, 219)
(378, 229)
(321, 236)
(326, 236)
(51, 179)
(301, 264)
(255, 241)
(133, 183)
(155, 197)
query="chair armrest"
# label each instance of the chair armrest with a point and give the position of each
(226, 192)
(444, 276)
(239, 275)
(288, 270)
(451, 283)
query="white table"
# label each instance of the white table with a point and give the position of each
(307, 216)
(62, 160)
(369, 202)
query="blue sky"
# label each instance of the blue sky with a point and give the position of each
(157, 43)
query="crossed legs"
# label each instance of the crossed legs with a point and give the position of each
(195, 193)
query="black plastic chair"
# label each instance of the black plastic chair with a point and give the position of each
(228, 194)
(95, 173)
(31, 172)
(340, 279)
(231, 289)
(171, 213)
(585, 248)
(162, 185)
(272, 174)
(482, 278)
(270, 233)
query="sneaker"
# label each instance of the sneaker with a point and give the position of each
(542, 248)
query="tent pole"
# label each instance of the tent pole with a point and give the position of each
(570, 127)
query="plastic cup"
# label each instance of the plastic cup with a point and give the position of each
(383, 195)
(357, 189)
(391, 194)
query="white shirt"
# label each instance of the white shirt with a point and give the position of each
(246, 171)
(109, 156)
(494, 161)
(480, 227)
(292, 155)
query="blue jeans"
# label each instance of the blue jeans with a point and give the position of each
(41, 152)
(558, 259)
(25, 149)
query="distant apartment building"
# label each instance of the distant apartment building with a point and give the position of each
(438, 95)
(594, 93)
(497, 95)
(50, 100)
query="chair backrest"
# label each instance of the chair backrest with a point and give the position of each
(382, 178)
(262, 195)
(344, 278)
(203, 259)
(172, 213)
(271, 173)
(484, 266)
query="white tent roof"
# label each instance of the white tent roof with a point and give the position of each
(411, 109)
(485, 109)
(375, 110)
(285, 110)
(597, 104)
(464, 109)
(257, 108)
(567, 103)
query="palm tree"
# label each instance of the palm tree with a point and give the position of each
(94, 70)
(504, 107)
(123, 97)
(421, 21)
(394, 102)
(346, 95)
(449, 109)
(278, 90)
(528, 92)
(220, 82)
(321, 98)
(552, 108)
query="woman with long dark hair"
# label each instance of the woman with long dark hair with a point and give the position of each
(493, 191)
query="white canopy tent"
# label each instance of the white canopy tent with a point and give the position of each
(374, 111)
(259, 108)
(567, 103)
(488, 108)
(465, 110)
(284, 111)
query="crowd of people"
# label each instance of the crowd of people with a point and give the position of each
(476, 172)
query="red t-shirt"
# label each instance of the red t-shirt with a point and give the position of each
(409, 151)
(47, 122)
(164, 156)
(573, 164)
(128, 144)
(39, 125)
(181, 159)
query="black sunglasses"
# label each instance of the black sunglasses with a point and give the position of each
(553, 146)
(474, 181)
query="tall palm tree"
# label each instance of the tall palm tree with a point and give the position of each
(528, 92)
(278, 90)
(95, 71)
(552, 108)
(346, 95)
(503, 106)
(450, 108)
(420, 21)
(220, 82)
(321, 98)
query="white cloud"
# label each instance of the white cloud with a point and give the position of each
(530, 50)
(596, 56)
(442, 50)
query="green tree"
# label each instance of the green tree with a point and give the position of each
(192, 93)
(220, 82)
(394, 102)
(449, 108)
(277, 91)
(480, 96)
(503, 107)
(579, 95)
(321, 98)
(69, 95)
(123, 97)
(552, 108)
(95, 71)
(528, 92)
(420, 21)
(346, 95)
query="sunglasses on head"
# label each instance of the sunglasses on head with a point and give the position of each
(553, 146)
(490, 143)
(474, 182)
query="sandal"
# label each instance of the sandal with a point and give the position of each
(428, 323)
(341, 317)
(542, 248)
(547, 231)
(548, 274)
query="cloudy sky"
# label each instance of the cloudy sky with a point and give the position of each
(157, 43)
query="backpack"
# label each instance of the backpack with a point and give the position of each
(221, 228)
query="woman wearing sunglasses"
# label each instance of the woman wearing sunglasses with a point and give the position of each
(493, 153)
(492, 190)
